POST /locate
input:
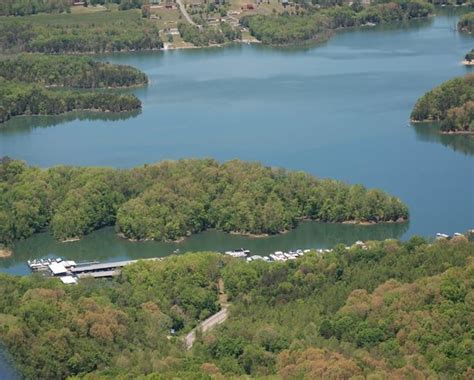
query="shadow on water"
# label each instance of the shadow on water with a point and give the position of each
(429, 132)
(105, 245)
(22, 124)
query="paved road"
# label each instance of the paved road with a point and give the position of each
(206, 325)
(185, 13)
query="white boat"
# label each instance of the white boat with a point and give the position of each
(442, 236)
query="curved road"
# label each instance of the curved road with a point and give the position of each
(185, 13)
(206, 325)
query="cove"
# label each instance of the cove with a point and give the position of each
(338, 110)
(104, 245)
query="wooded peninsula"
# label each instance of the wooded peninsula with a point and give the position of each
(451, 104)
(173, 199)
(466, 23)
(37, 84)
(390, 310)
(317, 24)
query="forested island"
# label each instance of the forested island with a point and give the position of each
(451, 104)
(466, 23)
(173, 199)
(393, 310)
(316, 25)
(27, 81)
(69, 71)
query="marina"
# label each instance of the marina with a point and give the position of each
(70, 271)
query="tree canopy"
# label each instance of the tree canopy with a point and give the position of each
(466, 23)
(451, 103)
(18, 98)
(316, 24)
(393, 310)
(98, 32)
(69, 71)
(174, 199)
(28, 7)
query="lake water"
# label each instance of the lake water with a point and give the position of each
(338, 110)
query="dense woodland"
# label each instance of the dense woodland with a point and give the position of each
(173, 199)
(469, 56)
(97, 32)
(27, 81)
(18, 98)
(28, 7)
(466, 23)
(451, 103)
(395, 310)
(288, 29)
(69, 71)
(208, 35)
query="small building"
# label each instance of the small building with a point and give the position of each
(57, 269)
(68, 280)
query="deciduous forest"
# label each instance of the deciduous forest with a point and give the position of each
(173, 199)
(393, 310)
(451, 103)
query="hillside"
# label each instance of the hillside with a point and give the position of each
(393, 310)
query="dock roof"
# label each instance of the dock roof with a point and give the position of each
(57, 268)
(100, 274)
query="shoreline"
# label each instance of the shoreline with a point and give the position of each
(452, 133)
(71, 240)
(5, 253)
(92, 110)
(465, 133)
(265, 235)
(235, 233)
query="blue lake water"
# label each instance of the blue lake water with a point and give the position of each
(338, 110)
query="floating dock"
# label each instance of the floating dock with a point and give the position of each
(69, 271)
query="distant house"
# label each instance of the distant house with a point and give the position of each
(170, 4)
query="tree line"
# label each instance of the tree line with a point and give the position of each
(392, 310)
(311, 24)
(208, 35)
(466, 23)
(451, 103)
(18, 98)
(69, 71)
(173, 199)
(26, 83)
(469, 56)
(29, 7)
(98, 32)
